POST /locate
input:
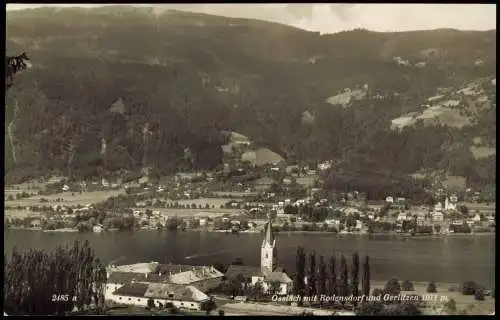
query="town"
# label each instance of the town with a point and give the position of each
(239, 201)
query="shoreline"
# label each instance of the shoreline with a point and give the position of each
(400, 235)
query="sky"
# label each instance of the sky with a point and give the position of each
(331, 18)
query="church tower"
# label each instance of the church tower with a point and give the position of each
(268, 251)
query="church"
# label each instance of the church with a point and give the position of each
(268, 272)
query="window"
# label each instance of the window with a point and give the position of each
(182, 303)
(129, 299)
(267, 256)
(139, 300)
(192, 304)
(119, 298)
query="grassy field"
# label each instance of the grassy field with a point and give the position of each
(482, 152)
(69, 199)
(186, 213)
(217, 202)
(20, 214)
(307, 180)
(463, 302)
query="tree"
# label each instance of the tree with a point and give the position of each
(355, 276)
(221, 312)
(257, 291)
(451, 306)
(463, 209)
(372, 308)
(479, 294)
(311, 278)
(32, 278)
(274, 287)
(366, 277)
(344, 278)
(322, 276)
(469, 288)
(299, 284)
(14, 65)
(392, 287)
(332, 283)
(407, 285)
(377, 292)
(431, 287)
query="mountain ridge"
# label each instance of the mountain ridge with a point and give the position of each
(195, 73)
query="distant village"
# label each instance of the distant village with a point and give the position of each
(240, 200)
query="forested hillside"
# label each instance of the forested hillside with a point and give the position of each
(114, 89)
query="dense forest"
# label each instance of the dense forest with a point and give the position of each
(119, 89)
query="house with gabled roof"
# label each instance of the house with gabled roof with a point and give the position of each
(139, 293)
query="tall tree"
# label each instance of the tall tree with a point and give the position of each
(322, 276)
(366, 277)
(344, 278)
(38, 283)
(311, 279)
(299, 284)
(355, 276)
(332, 283)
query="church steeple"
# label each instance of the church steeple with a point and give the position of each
(269, 233)
(268, 250)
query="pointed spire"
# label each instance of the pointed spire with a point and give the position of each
(269, 233)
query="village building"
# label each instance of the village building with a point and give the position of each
(437, 217)
(98, 228)
(201, 277)
(269, 274)
(449, 205)
(138, 294)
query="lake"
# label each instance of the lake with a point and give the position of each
(450, 259)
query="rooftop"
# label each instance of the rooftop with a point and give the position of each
(246, 271)
(132, 290)
(125, 277)
(174, 292)
(195, 275)
(143, 267)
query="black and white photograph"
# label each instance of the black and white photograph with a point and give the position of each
(250, 159)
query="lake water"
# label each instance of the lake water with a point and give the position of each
(441, 259)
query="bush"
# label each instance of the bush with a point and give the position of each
(392, 287)
(377, 292)
(452, 289)
(469, 288)
(407, 285)
(451, 305)
(431, 288)
(479, 294)
(221, 312)
(370, 308)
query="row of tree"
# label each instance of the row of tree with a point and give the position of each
(332, 279)
(41, 283)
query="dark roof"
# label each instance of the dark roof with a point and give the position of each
(132, 290)
(278, 276)
(125, 277)
(174, 292)
(246, 271)
(156, 278)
